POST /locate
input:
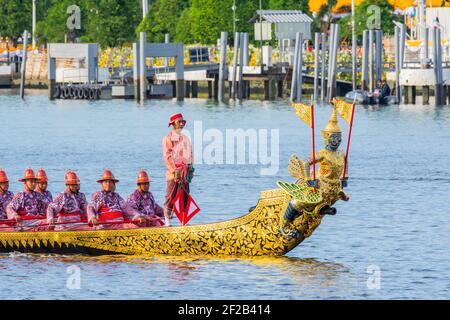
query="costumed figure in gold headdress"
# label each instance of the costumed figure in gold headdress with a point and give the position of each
(312, 199)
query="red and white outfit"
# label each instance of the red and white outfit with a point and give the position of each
(68, 207)
(110, 207)
(145, 203)
(29, 206)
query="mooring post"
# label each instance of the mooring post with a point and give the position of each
(426, 95)
(379, 52)
(136, 71)
(398, 92)
(241, 67)
(293, 97)
(316, 65)
(179, 70)
(142, 67)
(365, 62)
(24, 64)
(51, 69)
(222, 65)
(324, 63)
(246, 55)
(187, 91)
(333, 70)
(166, 40)
(330, 58)
(300, 69)
(235, 62)
(371, 61)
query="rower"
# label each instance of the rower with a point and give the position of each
(41, 188)
(5, 198)
(69, 206)
(107, 208)
(26, 207)
(143, 201)
(177, 153)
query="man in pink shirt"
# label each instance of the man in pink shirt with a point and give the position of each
(41, 188)
(143, 201)
(177, 153)
(26, 207)
(108, 209)
(5, 198)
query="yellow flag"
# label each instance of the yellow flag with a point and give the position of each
(303, 111)
(345, 109)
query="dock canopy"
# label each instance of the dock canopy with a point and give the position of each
(287, 22)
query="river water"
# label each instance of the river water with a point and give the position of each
(390, 241)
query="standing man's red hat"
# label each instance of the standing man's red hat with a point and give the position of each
(175, 117)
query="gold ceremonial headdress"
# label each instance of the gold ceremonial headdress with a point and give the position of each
(332, 126)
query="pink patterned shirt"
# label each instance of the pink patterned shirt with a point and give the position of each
(5, 199)
(145, 203)
(66, 202)
(110, 201)
(46, 198)
(28, 201)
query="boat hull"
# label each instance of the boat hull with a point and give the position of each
(260, 232)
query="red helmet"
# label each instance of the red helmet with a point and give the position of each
(71, 178)
(143, 177)
(107, 175)
(41, 176)
(28, 175)
(175, 117)
(3, 176)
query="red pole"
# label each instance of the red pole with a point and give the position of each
(348, 141)
(313, 143)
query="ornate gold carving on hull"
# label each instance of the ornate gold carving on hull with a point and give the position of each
(257, 233)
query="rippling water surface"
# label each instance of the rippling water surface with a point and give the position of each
(396, 225)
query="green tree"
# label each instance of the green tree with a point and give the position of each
(289, 5)
(208, 18)
(15, 18)
(112, 23)
(53, 26)
(363, 16)
(163, 17)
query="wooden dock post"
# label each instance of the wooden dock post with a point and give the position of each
(210, 89)
(187, 92)
(166, 40)
(300, 69)
(426, 95)
(379, 54)
(241, 64)
(179, 71)
(222, 65)
(330, 59)
(235, 62)
(333, 70)
(324, 63)
(371, 61)
(142, 67)
(280, 88)
(51, 67)
(136, 72)
(23, 70)
(316, 65)
(398, 91)
(365, 62)
(246, 55)
(293, 97)
(437, 65)
(194, 88)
